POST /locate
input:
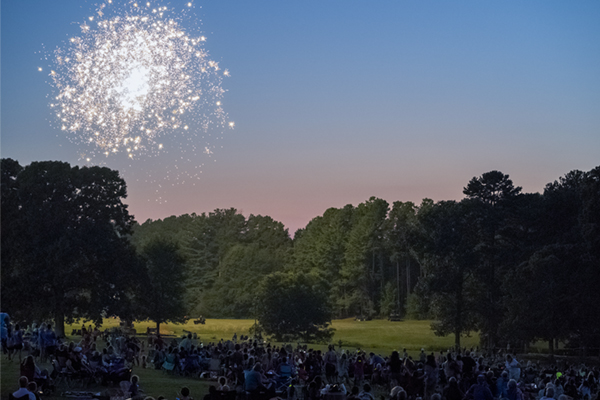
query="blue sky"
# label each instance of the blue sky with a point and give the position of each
(337, 101)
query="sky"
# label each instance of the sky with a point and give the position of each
(337, 101)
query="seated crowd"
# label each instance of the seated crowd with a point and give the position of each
(258, 370)
(261, 370)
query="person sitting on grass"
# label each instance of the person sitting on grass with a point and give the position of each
(548, 394)
(479, 391)
(452, 390)
(354, 393)
(366, 393)
(134, 388)
(32, 388)
(33, 373)
(253, 379)
(212, 393)
(397, 393)
(185, 393)
(22, 391)
(223, 386)
(513, 392)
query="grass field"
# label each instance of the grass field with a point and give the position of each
(379, 336)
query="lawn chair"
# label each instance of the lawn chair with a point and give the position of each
(169, 364)
(124, 388)
(60, 375)
(214, 367)
(192, 365)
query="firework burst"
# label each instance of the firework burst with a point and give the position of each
(132, 78)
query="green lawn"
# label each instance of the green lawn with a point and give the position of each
(379, 336)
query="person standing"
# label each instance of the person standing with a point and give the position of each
(330, 360)
(4, 321)
(513, 367)
(342, 368)
(431, 375)
(359, 371)
(49, 341)
(16, 342)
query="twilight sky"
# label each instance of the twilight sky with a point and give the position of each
(336, 101)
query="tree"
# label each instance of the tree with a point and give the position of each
(321, 246)
(492, 197)
(566, 262)
(11, 234)
(448, 259)
(292, 306)
(361, 279)
(540, 299)
(218, 249)
(492, 188)
(242, 269)
(267, 233)
(320, 249)
(389, 299)
(166, 287)
(400, 233)
(588, 308)
(70, 248)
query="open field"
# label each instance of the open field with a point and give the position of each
(379, 336)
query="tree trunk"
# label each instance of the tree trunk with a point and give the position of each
(407, 277)
(551, 346)
(458, 318)
(59, 323)
(457, 339)
(158, 328)
(398, 285)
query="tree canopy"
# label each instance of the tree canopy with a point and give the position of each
(294, 306)
(66, 234)
(165, 289)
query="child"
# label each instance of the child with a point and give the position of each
(185, 394)
(134, 389)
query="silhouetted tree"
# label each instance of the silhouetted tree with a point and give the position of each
(164, 300)
(294, 306)
(68, 241)
(492, 197)
(448, 260)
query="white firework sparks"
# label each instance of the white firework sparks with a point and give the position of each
(132, 77)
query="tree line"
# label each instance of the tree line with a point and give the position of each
(516, 267)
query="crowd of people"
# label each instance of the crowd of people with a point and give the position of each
(259, 370)
(454, 375)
